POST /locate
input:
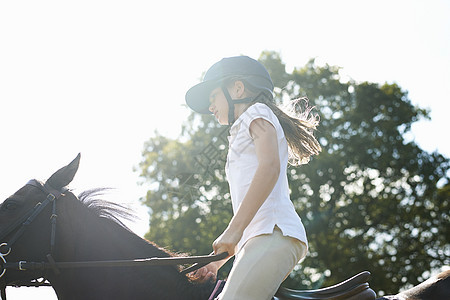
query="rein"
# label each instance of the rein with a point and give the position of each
(153, 261)
(53, 195)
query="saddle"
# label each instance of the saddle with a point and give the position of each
(354, 288)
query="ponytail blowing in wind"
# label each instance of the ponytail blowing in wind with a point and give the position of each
(299, 126)
(299, 123)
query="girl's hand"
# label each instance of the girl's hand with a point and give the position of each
(208, 272)
(227, 241)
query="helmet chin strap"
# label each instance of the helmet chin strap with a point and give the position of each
(231, 104)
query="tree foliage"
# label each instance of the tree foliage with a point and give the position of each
(370, 201)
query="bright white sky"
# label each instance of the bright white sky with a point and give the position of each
(99, 77)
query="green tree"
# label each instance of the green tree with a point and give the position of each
(370, 201)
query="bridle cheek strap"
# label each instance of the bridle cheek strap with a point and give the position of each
(52, 195)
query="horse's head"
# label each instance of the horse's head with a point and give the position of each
(26, 221)
(87, 230)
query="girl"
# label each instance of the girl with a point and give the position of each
(265, 233)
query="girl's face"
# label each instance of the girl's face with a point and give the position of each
(219, 106)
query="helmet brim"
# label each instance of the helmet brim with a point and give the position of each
(197, 97)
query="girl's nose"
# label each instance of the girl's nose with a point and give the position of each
(211, 107)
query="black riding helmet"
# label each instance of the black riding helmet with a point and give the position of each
(243, 67)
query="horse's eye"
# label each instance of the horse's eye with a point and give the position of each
(10, 205)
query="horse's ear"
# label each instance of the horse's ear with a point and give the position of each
(65, 175)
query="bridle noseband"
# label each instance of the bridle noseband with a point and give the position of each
(20, 226)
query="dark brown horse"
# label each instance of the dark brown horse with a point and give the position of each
(81, 235)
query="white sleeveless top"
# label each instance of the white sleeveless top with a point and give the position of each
(277, 210)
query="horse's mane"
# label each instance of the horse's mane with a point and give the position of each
(115, 212)
(92, 200)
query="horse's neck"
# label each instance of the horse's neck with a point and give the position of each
(105, 240)
(108, 239)
(83, 235)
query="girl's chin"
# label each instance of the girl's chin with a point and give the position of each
(220, 121)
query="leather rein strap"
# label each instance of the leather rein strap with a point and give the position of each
(153, 261)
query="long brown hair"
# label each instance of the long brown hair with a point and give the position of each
(297, 120)
(299, 124)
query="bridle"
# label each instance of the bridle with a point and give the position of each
(21, 225)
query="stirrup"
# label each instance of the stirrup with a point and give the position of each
(354, 288)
